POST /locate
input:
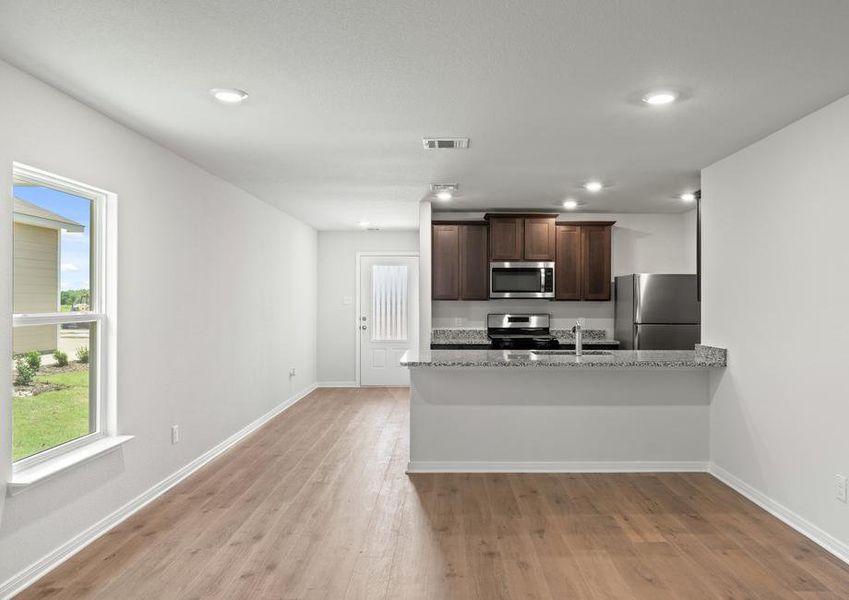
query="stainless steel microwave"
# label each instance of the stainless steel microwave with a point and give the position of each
(521, 280)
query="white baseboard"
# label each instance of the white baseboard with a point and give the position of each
(556, 466)
(781, 512)
(337, 384)
(41, 567)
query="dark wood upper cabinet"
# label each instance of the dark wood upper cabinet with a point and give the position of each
(580, 250)
(445, 264)
(582, 264)
(460, 261)
(506, 238)
(595, 252)
(568, 265)
(539, 239)
(521, 236)
(474, 262)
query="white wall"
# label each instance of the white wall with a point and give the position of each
(217, 297)
(775, 293)
(337, 281)
(641, 243)
(484, 419)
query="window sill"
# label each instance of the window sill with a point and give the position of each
(25, 479)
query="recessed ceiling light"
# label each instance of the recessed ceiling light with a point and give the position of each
(570, 204)
(688, 197)
(365, 223)
(228, 95)
(593, 186)
(660, 98)
(444, 191)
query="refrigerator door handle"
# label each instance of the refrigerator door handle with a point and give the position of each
(637, 294)
(636, 337)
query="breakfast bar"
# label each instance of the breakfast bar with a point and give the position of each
(555, 411)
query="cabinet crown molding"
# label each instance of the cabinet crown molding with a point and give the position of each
(514, 215)
(605, 223)
(457, 222)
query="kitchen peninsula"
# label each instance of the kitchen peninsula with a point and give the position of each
(549, 410)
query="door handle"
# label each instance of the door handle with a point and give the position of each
(363, 327)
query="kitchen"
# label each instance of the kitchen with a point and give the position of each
(553, 330)
(580, 256)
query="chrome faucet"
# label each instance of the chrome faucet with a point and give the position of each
(579, 338)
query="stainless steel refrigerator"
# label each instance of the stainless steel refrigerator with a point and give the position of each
(657, 312)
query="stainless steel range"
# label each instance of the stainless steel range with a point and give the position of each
(520, 332)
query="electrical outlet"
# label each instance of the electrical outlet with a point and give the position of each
(292, 372)
(175, 434)
(840, 483)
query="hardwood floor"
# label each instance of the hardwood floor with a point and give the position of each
(317, 505)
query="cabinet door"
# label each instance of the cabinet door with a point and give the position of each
(474, 266)
(506, 238)
(445, 263)
(568, 263)
(595, 251)
(539, 239)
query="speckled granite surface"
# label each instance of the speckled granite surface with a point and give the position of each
(588, 334)
(711, 355)
(478, 336)
(459, 336)
(638, 359)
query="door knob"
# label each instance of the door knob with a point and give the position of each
(363, 327)
(363, 318)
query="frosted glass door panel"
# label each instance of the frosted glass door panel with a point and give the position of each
(389, 303)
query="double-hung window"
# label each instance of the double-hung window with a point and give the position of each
(63, 332)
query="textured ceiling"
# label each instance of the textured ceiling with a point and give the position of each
(342, 93)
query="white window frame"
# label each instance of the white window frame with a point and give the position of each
(102, 312)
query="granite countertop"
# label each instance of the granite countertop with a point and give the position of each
(700, 358)
(474, 337)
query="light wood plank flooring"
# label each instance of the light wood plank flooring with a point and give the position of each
(317, 505)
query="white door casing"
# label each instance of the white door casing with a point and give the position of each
(388, 318)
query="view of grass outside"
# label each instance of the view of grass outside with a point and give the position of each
(52, 256)
(54, 416)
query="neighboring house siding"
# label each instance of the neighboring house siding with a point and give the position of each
(36, 272)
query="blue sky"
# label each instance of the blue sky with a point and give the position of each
(75, 246)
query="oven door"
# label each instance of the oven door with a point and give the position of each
(521, 280)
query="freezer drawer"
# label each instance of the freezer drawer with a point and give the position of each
(666, 337)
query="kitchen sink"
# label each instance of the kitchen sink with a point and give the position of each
(572, 352)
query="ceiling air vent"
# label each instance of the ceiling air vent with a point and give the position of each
(445, 143)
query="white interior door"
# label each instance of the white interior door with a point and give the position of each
(389, 317)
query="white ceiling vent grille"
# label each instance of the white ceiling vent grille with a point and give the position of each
(445, 143)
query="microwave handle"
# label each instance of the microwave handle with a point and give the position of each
(542, 279)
